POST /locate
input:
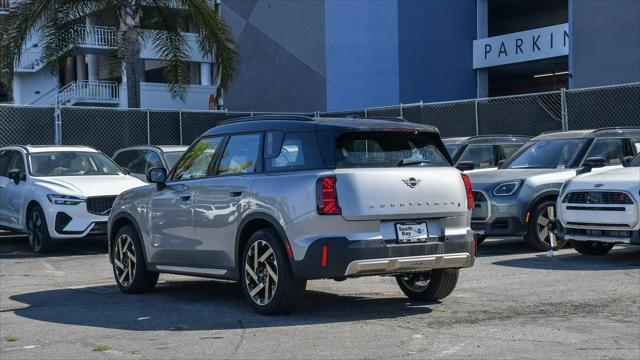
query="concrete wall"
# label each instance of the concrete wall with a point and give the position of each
(361, 53)
(282, 49)
(27, 87)
(157, 96)
(435, 50)
(605, 42)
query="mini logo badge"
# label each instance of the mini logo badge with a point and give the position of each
(411, 182)
(599, 185)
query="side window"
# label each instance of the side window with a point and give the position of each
(126, 158)
(16, 162)
(610, 149)
(509, 149)
(299, 151)
(5, 156)
(481, 155)
(241, 155)
(152, 160)
(196, 162)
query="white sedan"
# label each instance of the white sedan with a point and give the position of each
(55, 193)
(598, 210)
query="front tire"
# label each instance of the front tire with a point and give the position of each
(129, 265)
(266, 277)
(432, 285)
(39, 239)
(538, 236)
(592, 247)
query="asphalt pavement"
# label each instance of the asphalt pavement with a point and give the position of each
(512, 304)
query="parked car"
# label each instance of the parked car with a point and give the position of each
(519, 198)
(598, 210)
(484, 152)
(58, 192)
(276, 201)
(139, 159)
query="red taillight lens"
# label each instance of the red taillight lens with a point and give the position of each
(325, 255)
(327, 197)
(467, 187)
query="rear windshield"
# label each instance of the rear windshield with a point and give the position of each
(388, 149)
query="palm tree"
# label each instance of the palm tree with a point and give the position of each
(152, 21)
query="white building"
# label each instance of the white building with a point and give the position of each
(92, 76)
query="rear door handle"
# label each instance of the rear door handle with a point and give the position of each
(235, 193)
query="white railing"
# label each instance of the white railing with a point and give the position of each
(4, 5)
(98, 36)
(88, 91)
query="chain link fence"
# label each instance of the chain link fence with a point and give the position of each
(110, 129)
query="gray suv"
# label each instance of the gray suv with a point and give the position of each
(519, 198)
(275, 201)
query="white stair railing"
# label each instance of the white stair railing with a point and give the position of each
(97, 91)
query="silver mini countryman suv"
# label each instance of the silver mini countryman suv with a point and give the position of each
(275, 201)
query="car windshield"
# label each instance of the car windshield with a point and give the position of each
(172, 157)
(635, 161)
(69, 163)
(547, 154)
(452, 149)
(382, 150)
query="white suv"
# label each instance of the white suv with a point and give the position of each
(53, 192)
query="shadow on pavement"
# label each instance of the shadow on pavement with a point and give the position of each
(198, 305)
(497, 246)
(618, 259)
(17, 247)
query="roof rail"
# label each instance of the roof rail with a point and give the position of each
(617, 128)
(388, 118)
(497, 135)
(266, 117)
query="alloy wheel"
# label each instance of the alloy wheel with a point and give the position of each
(416, 282)
(35, 230)
(124, 260)
(544, 226)
(261, 272)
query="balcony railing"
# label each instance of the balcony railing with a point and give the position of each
(4, 5)
(86, 91)
(97, 36)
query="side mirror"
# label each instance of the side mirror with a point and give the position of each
(626, 160)
(593, 162)
(126, 171)
(465, 165)
(15, 175)
(157, 176)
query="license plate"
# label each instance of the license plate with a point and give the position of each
(412, 232)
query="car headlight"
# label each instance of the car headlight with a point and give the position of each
(64, 199)
(507, 188)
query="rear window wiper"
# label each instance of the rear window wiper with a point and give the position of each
(407, 162)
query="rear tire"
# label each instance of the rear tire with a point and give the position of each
(39, 239)
(538, 235)
(266, 277)
(432, 285)
(129, 265)
(592, 247)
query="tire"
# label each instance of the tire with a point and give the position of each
(259, 272)
(592, 247)
(436, 284)
(538, 234)
(130, 270)
(39, 239)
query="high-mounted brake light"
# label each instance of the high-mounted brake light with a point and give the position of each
(327, 196)
(467, 187)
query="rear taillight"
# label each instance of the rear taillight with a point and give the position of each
(467, 187)
(327, 197)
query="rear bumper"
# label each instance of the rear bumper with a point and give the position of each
(349, 258)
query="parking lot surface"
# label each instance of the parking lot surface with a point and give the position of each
(512, 304)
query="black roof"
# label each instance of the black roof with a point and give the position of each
(303, 123)
(591, 133)
(487, 139)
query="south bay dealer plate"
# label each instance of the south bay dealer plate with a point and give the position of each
(413, 232)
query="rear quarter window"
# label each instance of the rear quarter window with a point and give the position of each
(383, 149)
(297, 151)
